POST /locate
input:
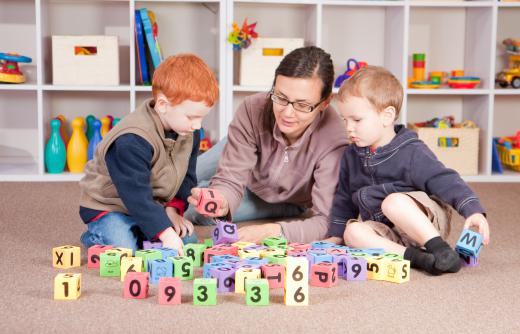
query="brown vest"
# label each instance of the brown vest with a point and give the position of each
(169, 162)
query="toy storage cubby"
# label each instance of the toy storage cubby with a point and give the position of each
(453, 34)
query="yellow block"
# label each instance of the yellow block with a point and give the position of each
(376, 268)
(240, 278)
(271, 251)
(296, 295)
(66, 257)
(130, 264)
(125, 251)
(397, 271)
(243, 244)
(248, 253)
(67, 286)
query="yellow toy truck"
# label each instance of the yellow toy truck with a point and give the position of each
(510, 76)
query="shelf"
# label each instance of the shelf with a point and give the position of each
(452, 4)
(447, 91)
(504, 91)
(143, 88)
(18, 87)
(364, 3)
(122, 88)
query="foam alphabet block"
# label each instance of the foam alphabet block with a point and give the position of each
(243, 244)
(152, 244)
(229, 248)
(393, 256)
(147, 255)
(397, 271)
(468, 260)
(225, 232)
(234, 262)
(205, 291)
(258, 260)
(110, 264)
(296, 290)
(270, 251)
(274, 241)
(257, 292)
(93, 254)
(210, 201)
(225, 277)
(159, 268)
(169, 291)
(322, 245)
(196, 253)
(136, 285)
(243, 264)
(249, 252)
(324, 274)
(215, 250)
(277, 259)
(67, 286)
(341, 260)
(359, 254)
(241, 275)
(168, 252)
(130, 265)
(299, 246)
(334, 251)
(206, 268)
(376, 269)
(208, 242)
(469, 243)
(318, 256)
(356, 269)
(182, 267)
(294, 252)
(374, 251)
(124, 251)
(224, 258)
(65, 257)
(274, 274)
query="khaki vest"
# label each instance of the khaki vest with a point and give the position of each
(169, 162)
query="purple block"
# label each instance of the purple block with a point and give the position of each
(468, 260)
(225, 232)
(152, 244)
(356, 269)
(341, 260)
(225, 278)
(256, 247)
(256, 260)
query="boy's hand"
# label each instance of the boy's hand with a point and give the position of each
(182, 227)
(170, 239)
(194, 200)
(478, 220)
(257, 233)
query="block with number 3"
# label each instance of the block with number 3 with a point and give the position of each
(257, 292)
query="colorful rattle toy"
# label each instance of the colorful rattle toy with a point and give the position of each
(9, 71)
(348, 73)
(241, 38)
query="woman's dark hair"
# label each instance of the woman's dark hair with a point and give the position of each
(305, 62)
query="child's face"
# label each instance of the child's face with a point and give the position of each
(183, 118)
(365, 125)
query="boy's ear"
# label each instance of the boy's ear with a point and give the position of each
(388, 115)
(326, 102)
(161, 103)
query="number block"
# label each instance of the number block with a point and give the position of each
(297, 252)
(249, 252)
(257, 260)
(208, 242)
(147, 255)
(397, 271)
(160, 268)
(468, 261)
(335, 251)
(136, 285)
(94, 253)
(168, 252)
(277, 259)
(242, 244)
(182, 267)
(205, 291)
(299, 246)
(196, 253)
(274, 241)
(242, 274)
(469, 243)
(317, 256)
(225, 232)
(129, 265)
(65, 257)
(206, 268)
(296, 290)
(374, 251)
(392, 256)
(210, 201)
(169, 291)
(274, 274)
(224, 258)
(110, 264)
(271, 251)
(213, 251)
(322, 245)
(324, 274)
(124, 251)
(356, 269)
(67, 286)
(225, 277)
(257, 292)
(152, 244)
(341, 260)
(376, 269)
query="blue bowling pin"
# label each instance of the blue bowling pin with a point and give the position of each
(96, 139)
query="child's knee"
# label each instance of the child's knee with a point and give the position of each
(353, 233)
(394, 203)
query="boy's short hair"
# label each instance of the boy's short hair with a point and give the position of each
(185, 77)
(378, 85)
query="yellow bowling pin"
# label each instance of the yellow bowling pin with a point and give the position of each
(105, 126)
(78, 146)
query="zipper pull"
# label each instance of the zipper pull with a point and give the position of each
(285, 156)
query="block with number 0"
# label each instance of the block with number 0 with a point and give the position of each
(136, 285)
(205, 291)
(67, 286)
(130, 264)
(169, 291)
(257, 292)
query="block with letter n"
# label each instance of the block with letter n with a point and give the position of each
(469, 243)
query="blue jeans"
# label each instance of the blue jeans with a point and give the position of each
(119, 230)
(251, 207)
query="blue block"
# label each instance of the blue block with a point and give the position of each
(322, 245)
(469, 243)
(256, 260)
(168, 252)
(158, 269)
(223, 258)
(207, 267)
(317, 258)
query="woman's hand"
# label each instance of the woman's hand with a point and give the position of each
(182, 227)
(257, 233)
(194, 200)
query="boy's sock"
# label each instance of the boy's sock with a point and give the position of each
(421, 260)
(446, 259)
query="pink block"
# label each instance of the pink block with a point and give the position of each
(209, 201)
(299, 246)
(336, 251)
(215, 250)
(136, 285)
(324, 274)
(94, 252)
(169, 291)
(293, 252)
(275, 275)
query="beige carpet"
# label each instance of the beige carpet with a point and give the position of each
(34, 217)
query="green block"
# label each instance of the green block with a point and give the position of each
(208, 243)
(257, 292)
(110, 264)
(278, 259)
(182, 267)
(274, 241)
(285, 248)
(205, 291)
(359, 254)
(148, 254)
(196, 253)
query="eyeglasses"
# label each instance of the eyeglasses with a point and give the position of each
(298, 106)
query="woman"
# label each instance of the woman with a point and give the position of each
(281, 157)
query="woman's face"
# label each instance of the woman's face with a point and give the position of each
(300, 93)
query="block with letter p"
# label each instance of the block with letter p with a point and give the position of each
(225, 232)
(210, 201)
(94, 253)
(324, 274)
(65, 257)
(469, 243)
(67, 286)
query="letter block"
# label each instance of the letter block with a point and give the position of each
(299, 246)
(65, 257)
(130, 265)
(224, 258)
(160, 268)
(277, 259)
(397, 271)
(205, 291)
(356, 269)
(296, 290)
(376, 269)
(270, 251)
(182, 267)
(324, 274)
(110, 264)
(468, 260)
(322, 245)
(225, 232)
(136, 285)
(335, 251)
(257, 292)
(315, 256)
(274, 274)
(94, 253)
(147, 244)
(210, 201)
(249, 252)
(258, 260)
(215, 250)
(124, 251)
(297, 252)
(168, 252)
(169, 291)
(147, 255)
(67, 286)
(469, 243)
(196, 253)
(241, 275)
(274, 241)
(392, 256)
(225, 277)
(242, 244)
(206, 268)
(341, 260)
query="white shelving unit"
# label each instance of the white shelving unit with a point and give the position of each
(453, 34)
